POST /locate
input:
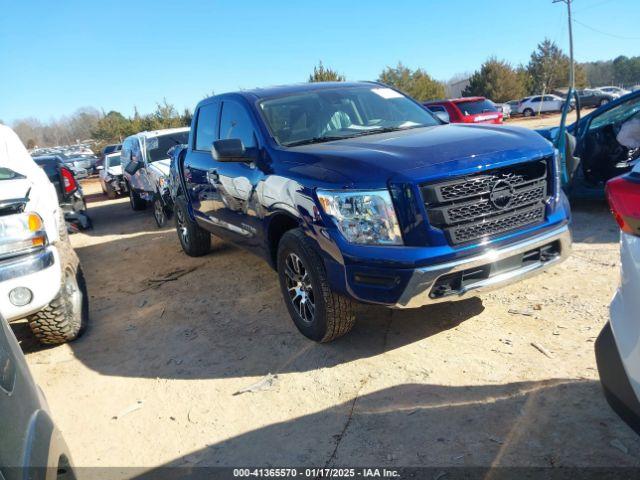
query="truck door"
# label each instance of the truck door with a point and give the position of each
(235, 182)
(198, 163)
(137, 179)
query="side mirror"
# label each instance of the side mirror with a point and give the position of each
(230, 150)
(444, 116)
(132, 167)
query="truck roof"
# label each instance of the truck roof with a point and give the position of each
(275, 91)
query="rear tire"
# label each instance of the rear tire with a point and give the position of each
(319, 313)
(111, 193)
(66, 317)
(527, 112)
(136, 201)
(195, 240)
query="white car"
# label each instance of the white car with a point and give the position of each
(617, 91)
(145, 164)
(536, 104)
(110, 175)
(40, 274)
(618, 345)
(505, 108)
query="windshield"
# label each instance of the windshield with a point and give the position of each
(157, 147)
(113, 161)
(618, 114)
(339, 113)
(474, 107)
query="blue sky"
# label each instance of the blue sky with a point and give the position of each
(59, 56)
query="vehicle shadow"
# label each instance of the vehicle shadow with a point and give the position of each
(592, 222)
(458, 431)
(155, 312)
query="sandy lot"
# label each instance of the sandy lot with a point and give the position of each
(173, 340)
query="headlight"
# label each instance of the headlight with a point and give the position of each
(20, 233)
(363, 217)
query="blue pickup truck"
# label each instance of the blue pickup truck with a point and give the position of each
(355, 193)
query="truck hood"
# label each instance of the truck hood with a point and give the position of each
(14, 189)
(162, 166)
(421, 153)
(117, 170)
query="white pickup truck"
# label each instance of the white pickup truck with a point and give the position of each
(40, 274)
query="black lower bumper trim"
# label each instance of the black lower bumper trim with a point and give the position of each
(617, 389)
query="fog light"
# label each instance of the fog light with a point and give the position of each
(20, 296)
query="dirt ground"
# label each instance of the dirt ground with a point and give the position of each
(158, 378)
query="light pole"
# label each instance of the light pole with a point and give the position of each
(572, 77)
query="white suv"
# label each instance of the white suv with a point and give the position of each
(40, 274)
(530, 106)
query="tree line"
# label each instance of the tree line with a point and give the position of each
(546, 71)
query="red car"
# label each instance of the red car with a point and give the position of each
(466, 110)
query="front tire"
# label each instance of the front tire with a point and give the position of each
(528, 112)
(66, 317)
(111, 193)
(604, 101)
(195, 240)
(159, 213)
(319, 313)
(136, 201)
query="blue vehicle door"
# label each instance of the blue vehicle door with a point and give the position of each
(235, 182)
(199, 163)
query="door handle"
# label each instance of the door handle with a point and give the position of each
(212, 176)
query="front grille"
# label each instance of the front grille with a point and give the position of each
(488, 203)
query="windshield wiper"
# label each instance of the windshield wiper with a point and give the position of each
(316, 140)
(384, 130)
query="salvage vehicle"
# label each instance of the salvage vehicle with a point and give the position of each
(70, 194)
(145, 164)
(617, 91)
(32, 446)
(40, 275)
(355, 192)
(114, 148)
(85, 161)
(618, 345)
(111, 177)
(594, 98)
(590, 150)
(466, 110)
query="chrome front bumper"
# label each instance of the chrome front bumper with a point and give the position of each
(421, 283)
(25, 264)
